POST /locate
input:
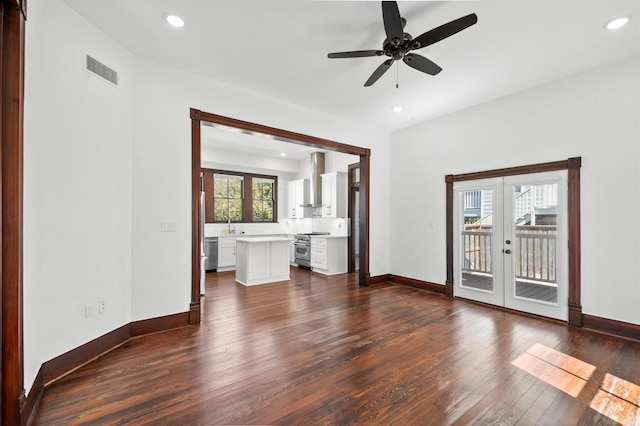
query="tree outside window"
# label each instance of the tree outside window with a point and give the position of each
(262, 197)
(239, 197)
(227, 198)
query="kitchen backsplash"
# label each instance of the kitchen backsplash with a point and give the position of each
(285, 226)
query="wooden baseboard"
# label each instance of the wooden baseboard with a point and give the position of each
(379, 279)
(575, 315)
(159, 324)
(448, 289)
(32, 401)
(194, 313)
(613, 327)
(412, 282)
(64, 364)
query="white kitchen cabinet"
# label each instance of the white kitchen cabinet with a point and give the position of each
(334, 194)
(297, 194)
(329, 254)
(226, 252)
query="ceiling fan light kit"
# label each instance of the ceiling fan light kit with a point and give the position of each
(398, 44)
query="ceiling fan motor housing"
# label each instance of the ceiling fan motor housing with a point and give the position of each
(398, 51)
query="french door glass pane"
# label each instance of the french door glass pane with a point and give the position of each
(477, 233)
(535, 209)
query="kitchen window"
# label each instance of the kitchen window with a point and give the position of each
(262, 199)
(227, 198)
(239, 197)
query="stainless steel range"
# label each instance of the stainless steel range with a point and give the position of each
(302, 246)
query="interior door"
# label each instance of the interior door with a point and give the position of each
(511, 242)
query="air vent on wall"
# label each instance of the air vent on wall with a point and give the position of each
(101, 70)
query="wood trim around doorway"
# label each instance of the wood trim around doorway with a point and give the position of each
(353, 189)
(12, 52)
(572, 165)
(197, 118)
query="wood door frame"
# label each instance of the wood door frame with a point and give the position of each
(353, 189)
(572, 165)
(197, 117)
(12, 22)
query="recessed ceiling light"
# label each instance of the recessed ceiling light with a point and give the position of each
(175, 21)
(283, 154)
(616, 23)
(397, 108)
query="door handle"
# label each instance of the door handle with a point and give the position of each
(506, 251)
(508, 242)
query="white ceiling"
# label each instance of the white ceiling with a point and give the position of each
(253, 143)
(279, 48)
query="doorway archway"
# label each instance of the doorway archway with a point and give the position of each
(197, 118)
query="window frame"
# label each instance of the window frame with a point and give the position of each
(229, 177)
(263, 200)
(247, 195)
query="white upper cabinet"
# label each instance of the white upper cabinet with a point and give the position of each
(297, 194)
(334, 194)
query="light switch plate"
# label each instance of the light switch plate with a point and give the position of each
(168, 227)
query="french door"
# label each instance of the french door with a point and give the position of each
(510, 245)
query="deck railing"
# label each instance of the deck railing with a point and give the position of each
(534, 251)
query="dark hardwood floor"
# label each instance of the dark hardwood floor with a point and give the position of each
(321, 350)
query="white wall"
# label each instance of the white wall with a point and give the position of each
(593, 115)
(339, 162)
(77, 185)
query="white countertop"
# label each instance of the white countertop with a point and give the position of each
(275, 235)
(263, 239)
(246, 235)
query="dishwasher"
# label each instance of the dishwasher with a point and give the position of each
(211, 251)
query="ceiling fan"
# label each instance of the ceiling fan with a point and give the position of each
(398, 44)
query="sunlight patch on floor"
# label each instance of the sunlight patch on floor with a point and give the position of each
(619, 400)
(560, 370)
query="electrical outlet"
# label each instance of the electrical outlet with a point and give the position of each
(88, 310)
(102, 306)
(168, 226)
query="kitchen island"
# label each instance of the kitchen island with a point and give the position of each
(262, 260)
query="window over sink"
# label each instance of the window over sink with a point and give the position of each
(227, 197)
(262, 199)
(238, 197)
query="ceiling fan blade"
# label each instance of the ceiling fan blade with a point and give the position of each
(444, 31)
(356, 54)
(378, 72)
(421, 64)
(392, 22)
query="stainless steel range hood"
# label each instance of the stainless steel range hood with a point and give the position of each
(315, 187)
